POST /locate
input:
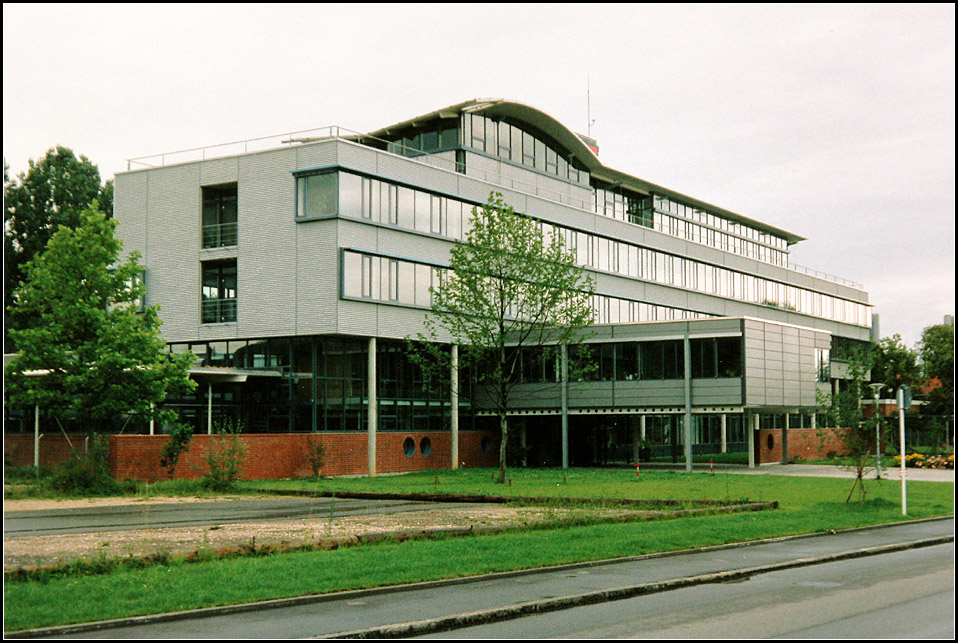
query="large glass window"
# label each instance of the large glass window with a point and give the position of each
(716, 357)
(219, 291)
(219, 216)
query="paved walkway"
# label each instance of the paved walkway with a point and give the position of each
(831, 471)
(812, 470)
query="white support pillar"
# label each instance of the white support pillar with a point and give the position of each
(152, 421)
(687, 422)
(454, 406)
(372, 413)
(724, 433)
(751, 429)
(642, 426)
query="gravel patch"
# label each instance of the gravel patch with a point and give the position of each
(62, 548)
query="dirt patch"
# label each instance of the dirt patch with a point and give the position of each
(61, 548)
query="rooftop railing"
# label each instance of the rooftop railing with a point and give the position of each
(825, 276)
(240, 147)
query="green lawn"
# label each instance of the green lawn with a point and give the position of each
(807, 505)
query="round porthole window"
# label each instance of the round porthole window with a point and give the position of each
(486, 445)
(770, 441)
(425, 447)
(409, 447)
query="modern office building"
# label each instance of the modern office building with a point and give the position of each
(294, 267)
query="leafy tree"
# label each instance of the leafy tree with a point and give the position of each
(937, 350)
(894, 364)
(54, 191)
(845, 415)
(99, 352)
(509, 286)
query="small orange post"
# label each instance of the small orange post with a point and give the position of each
(636, 469)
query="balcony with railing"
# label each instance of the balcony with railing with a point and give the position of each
(220, 235)
(218, 311)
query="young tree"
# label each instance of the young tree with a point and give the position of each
(98, 353)
(894, 364)
(509, 286)
(844, 413)
(53, 192)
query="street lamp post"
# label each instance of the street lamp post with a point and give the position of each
(876, 389)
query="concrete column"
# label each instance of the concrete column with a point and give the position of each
(634, 434)
(785, 441)
(564, 369)
(751, 427)
(152, 421)
(814, 420)
(372, 413)
(454, 404)
(724, 433)
(522, 441)
(642, 426)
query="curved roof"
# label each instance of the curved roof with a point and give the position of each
(576, 148)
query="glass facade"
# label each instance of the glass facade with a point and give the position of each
(407, 208)
(318, 384)
(390, 280)
(517, 145)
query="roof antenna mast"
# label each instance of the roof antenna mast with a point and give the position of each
(588, 105)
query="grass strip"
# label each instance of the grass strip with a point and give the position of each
(807, 505)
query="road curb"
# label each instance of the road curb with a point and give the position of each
(483, 617)
(79, 628)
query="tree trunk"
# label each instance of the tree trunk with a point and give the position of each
(504, 432)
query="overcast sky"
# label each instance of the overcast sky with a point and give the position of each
(836, 123)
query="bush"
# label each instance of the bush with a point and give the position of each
(87, 473)
(224, 458)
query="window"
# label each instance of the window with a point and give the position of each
(317, 195)
(219, 292)
(822, 364)
(219, 216)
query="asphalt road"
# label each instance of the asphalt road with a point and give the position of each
(185, 514)
(377, 612)
(908, 594)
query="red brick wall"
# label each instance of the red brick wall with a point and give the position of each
(802, 443)
(283, 455)
(54, 448)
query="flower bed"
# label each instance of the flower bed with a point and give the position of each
(920, 461)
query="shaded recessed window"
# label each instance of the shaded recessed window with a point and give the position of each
(218, 291)
(219, 216)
